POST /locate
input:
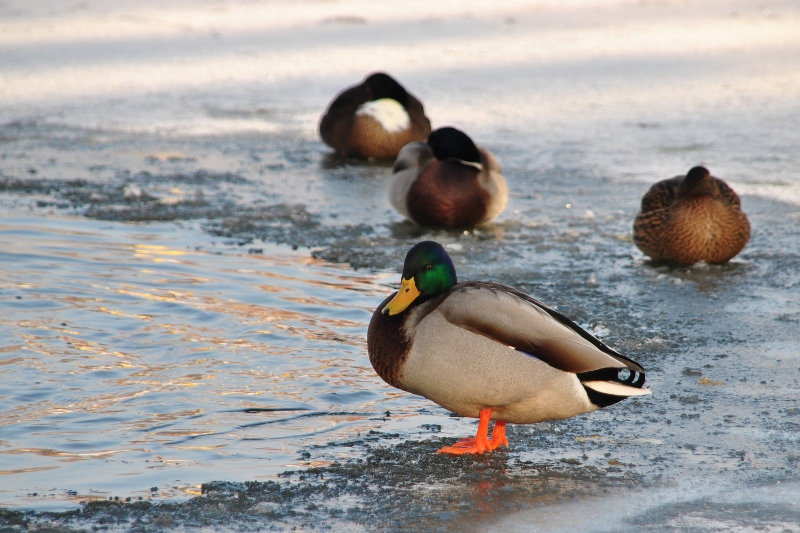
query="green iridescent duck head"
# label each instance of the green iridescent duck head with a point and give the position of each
(427, 272)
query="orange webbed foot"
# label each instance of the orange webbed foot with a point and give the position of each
(466, 446)
(481, 443)
(469, 442)
(454, 450)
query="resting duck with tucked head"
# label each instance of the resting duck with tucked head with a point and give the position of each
(691, 218)
(488, 351)
(447, 181)
(374, 119)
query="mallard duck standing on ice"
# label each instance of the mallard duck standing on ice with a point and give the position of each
(487, 351)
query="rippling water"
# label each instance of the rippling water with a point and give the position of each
(188, 272)
(138, 356)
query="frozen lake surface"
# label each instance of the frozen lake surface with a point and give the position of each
(188, 271)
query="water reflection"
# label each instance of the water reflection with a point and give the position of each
(154, 361)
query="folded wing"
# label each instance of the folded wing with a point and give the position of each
(516, 320)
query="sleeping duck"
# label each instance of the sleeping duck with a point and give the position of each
(691, 218)
(447, 181)
(487, 351)
(374, 119)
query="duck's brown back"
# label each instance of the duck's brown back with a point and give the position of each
(367, 138)
(362, 136)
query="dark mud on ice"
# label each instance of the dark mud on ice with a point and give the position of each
(393, 488)
(409, 487)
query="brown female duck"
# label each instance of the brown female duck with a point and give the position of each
(488, 351)
(691, 218)
(374, 119)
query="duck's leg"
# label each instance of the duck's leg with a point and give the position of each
(498, 435)
(481, 443)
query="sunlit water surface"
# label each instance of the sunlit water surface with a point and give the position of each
(138, 356)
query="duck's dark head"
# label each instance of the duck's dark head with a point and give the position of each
(427, 272)
(380, 85)
(453, 144)
(697, 182)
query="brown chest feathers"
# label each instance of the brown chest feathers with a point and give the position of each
(447, 193)
(388, 344)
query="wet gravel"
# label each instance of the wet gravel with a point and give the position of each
(388, 489)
